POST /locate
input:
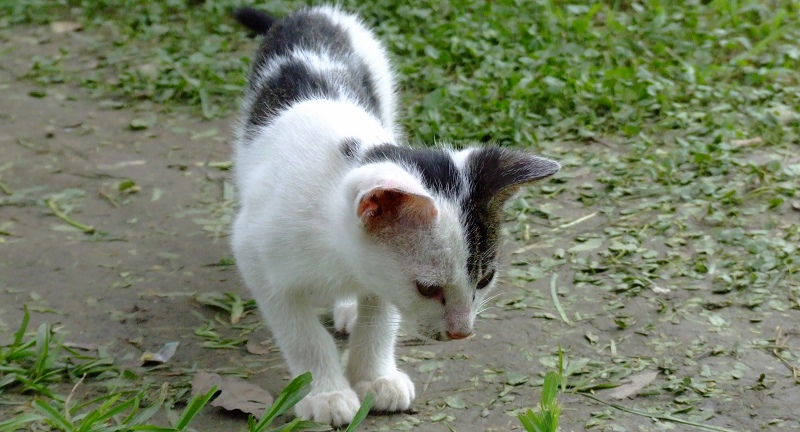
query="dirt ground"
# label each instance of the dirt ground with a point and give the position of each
(131, 285)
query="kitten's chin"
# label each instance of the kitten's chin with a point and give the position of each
(423, 334)
(432, 337)
(442, 337)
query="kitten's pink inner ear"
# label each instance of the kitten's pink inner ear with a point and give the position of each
(381, 208)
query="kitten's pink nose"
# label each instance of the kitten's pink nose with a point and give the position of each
(457, 335)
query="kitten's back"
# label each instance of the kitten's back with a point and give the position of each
(314, 53)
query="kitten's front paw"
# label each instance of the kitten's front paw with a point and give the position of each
(345, 313)
(393, 392)
(334, 408)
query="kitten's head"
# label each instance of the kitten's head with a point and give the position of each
(429, 222)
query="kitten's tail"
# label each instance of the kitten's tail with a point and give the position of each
(258, 21)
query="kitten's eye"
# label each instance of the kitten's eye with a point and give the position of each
(483, 283)
(430, 291)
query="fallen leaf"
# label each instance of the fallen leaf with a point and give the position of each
(81, 346)
(65, 26)
(122, 164)
(235, 393)
(455, 402)
(137, 341)
(138, 124)
(747, 142)
(717, 320)
(659, 290)
(637, 382)
(128, 186)
(617, 246)
(157, 194)
(516, 378)
(162, 356)
(438, 417)
(168, 294)
(430, 366)
(587, 245)
(257, 348)
(220, 165)
(545, 315)
(206, 134)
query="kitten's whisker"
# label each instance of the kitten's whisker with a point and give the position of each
(480, 311)
(488, 299)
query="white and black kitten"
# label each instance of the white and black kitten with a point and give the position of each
(335, 211)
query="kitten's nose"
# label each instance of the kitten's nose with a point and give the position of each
(457, 335)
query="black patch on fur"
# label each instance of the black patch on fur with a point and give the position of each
(482, 225)
(259, 22)
(368, 95)
(304, 29)
(349, 148)
(311, 31)
(438, 171)
(293, 82)
(494, 174)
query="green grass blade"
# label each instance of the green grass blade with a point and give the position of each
(561, 368)
(193, 407)
(555, 412)
(531, 422)
(289, 397)
(653, 415)
(42, 351)
(549, 389)
(53, 416)
(106, 411)
(288, 427)
(97, 400)
(23, 327)
(20, 351)
(147, 413)
(362, 412)
(16, 423)
(526, 422)
(151, 428)
(310, 426)
(300, 425)
(37, 387)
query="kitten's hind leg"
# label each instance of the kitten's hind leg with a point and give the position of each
(345, 312)
(371, 366)
(307, 346)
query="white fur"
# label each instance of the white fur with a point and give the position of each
(345, 312)
(375, 56)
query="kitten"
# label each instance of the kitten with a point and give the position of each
(334, 210)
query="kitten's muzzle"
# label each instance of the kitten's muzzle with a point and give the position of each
(448, 336)
(457, 335)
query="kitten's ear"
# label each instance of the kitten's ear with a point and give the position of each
(388, 197)
(382, 208)
(497, 173)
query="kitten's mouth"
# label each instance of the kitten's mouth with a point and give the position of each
(438, 336)
(431, 337)
(442, 337)
(447, 336)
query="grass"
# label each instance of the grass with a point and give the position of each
(677, 208)
(566, 72)
(34, 365)
(546, 418)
